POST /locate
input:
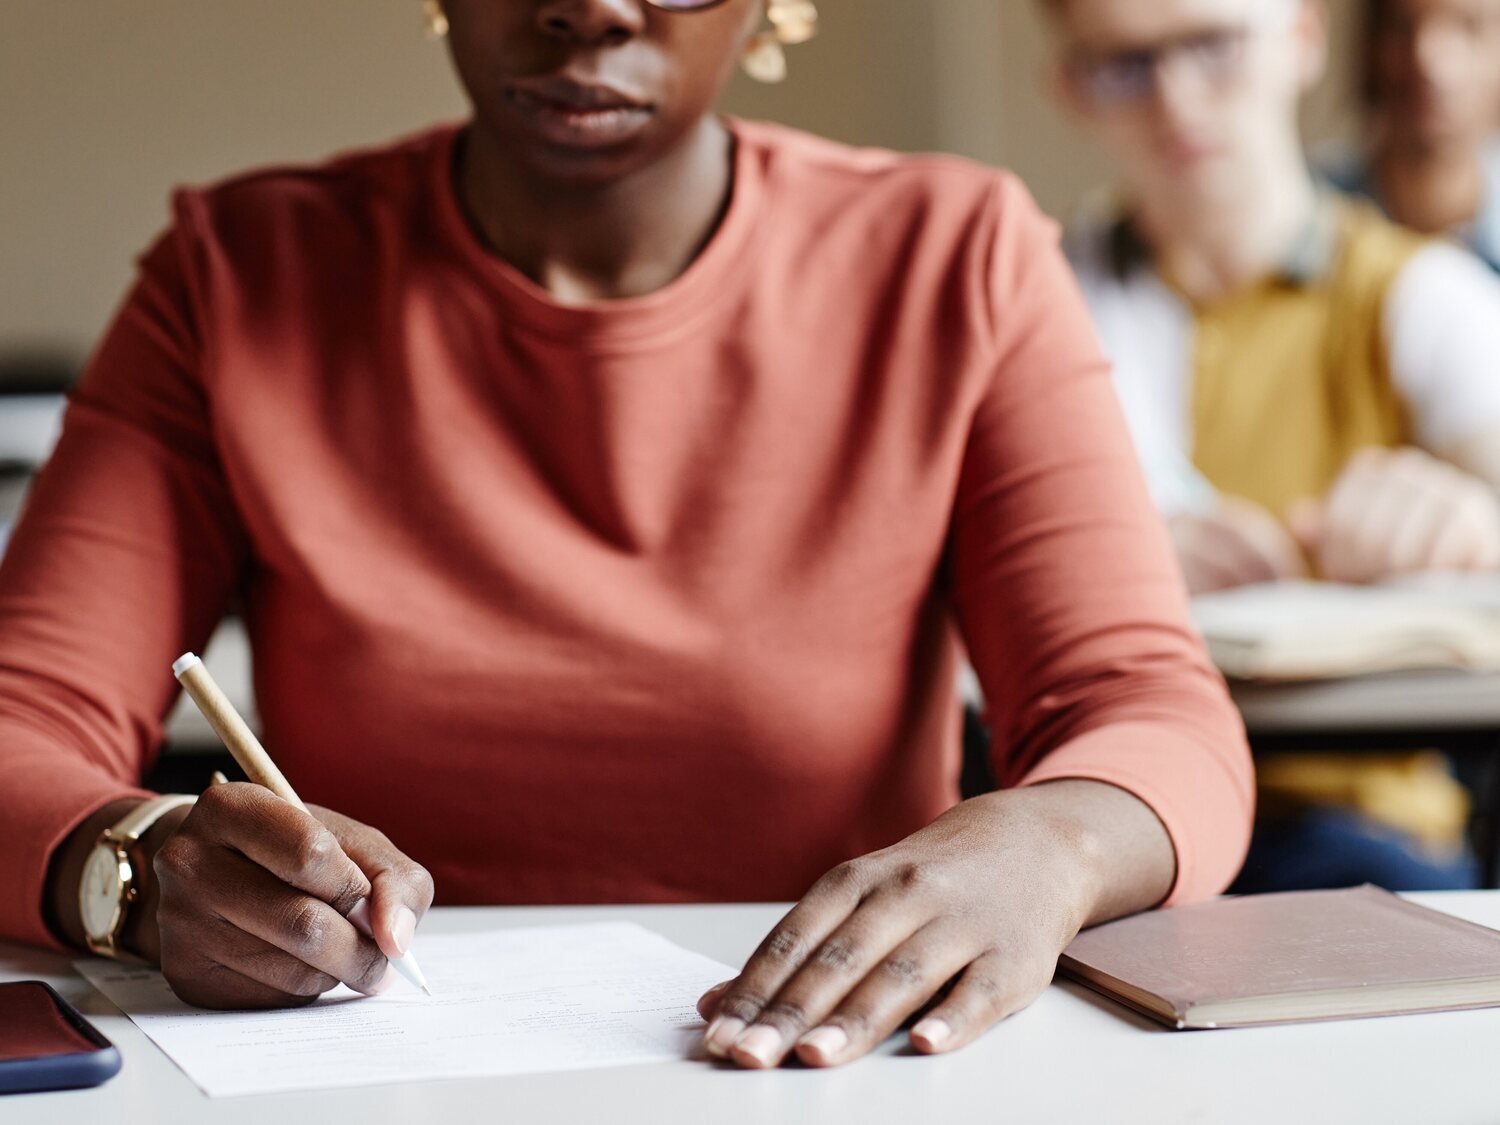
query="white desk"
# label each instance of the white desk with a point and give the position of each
(1071, 1058)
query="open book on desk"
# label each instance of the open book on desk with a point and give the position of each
(1322, 630)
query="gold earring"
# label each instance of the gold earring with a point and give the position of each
(792, 22)
(795, 21)
(764, 59)
(437, 19)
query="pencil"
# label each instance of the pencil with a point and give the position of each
(241, 742)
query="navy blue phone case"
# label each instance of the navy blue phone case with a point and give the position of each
(62, 1072)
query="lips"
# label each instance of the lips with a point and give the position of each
(577, 94)
(577, 114)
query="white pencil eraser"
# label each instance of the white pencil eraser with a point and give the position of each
(183, 663)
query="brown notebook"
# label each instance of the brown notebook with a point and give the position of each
(1282, 958)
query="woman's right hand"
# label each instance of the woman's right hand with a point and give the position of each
(252, 896)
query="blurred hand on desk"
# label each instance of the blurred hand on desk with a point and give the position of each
(1238, 543)
(1390, 513)
(1395, 512)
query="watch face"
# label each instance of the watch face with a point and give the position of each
(103, 887)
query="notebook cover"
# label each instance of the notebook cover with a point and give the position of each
(1275, 944)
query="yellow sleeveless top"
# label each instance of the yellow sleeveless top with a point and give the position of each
(1290, 377)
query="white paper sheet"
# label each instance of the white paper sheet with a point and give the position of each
(504, 1002)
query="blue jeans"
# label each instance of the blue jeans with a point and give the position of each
(1335, 847)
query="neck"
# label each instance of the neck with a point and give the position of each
(1432, 189)
(1211, 248)
(624, 238)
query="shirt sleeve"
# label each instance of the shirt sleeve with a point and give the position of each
(126, 556)
(1442, 328)
(1065, 586)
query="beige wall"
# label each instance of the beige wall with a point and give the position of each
(105, 104)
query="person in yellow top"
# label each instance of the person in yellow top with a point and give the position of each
(1311, 389)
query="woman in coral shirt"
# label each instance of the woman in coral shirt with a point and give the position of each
(604, 484)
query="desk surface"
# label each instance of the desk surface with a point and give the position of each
(1072, 1057)
(1428, 701)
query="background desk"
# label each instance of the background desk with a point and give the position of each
(1395, 706)
(1071, 1058)
(1456, 712)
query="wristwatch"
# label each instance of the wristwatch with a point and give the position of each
(109, 877)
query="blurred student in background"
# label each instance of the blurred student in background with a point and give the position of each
(1311, 388)
(1430, 82)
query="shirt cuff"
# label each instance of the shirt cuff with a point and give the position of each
(1205, 803)
(53, 793)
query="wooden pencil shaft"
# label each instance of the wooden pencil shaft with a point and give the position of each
(236, 734)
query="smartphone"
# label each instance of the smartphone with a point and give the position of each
(46, 1045)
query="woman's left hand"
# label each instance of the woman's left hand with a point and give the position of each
(973, 911)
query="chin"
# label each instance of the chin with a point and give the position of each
(567, 165)
(1205, 182)
(1195, 170)
(571, 168)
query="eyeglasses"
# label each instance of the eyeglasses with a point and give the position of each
(795, 21)
(1124, 77)
(1216, 56)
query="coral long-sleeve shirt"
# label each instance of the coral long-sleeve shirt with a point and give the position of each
(647, 600)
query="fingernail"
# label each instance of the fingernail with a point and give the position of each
(720, 987)
(761, 1043)
(829, 1041)
(404, 926)
(721, 1035)
(385, 983)
(933, 1031)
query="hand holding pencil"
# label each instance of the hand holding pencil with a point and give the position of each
(262, 900)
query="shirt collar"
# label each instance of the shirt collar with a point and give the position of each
(1310, 260)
